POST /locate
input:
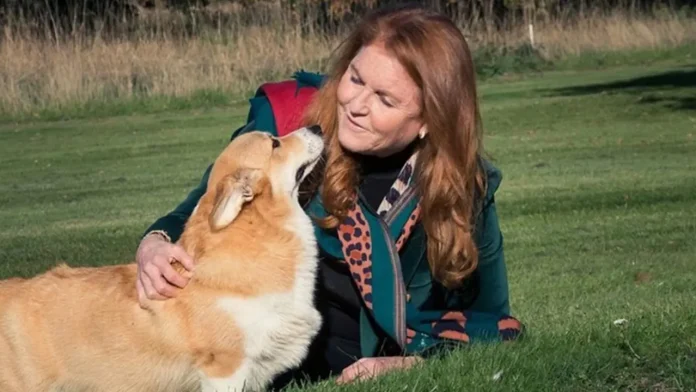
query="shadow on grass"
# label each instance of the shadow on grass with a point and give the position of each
(670, 89)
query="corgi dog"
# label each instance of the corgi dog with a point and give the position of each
(246, 315)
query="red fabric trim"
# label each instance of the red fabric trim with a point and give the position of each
(288, 103)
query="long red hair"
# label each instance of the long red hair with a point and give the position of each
(449, 178)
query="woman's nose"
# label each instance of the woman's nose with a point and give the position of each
(358, 105)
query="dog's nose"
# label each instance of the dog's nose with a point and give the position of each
(315, 129)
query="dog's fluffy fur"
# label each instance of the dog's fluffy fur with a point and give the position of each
(246, 315)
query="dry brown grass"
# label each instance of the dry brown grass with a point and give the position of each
(38, 74)
(606, 32)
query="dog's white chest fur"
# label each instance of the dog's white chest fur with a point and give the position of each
(278, 327)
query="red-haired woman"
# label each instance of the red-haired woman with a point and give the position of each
(412, 253)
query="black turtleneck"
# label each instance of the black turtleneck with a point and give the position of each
(337, 298)
(378, 174)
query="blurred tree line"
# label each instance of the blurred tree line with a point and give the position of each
(61, 17)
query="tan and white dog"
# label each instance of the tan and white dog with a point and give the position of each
(246, 315)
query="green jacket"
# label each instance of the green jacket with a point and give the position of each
(484, 296)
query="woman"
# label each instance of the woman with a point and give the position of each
(404, 204)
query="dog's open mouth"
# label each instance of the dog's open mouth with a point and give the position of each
(309, 165)
(301, 171)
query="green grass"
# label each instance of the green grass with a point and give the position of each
(681, 54)
(599, 188)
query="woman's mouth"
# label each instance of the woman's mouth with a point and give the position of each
(354, 124)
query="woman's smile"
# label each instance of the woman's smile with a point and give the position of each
(354, 125)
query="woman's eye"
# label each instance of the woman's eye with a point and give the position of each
(355, 80)
(385, 101)
(276, 143)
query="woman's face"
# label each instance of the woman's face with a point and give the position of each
(378, 104)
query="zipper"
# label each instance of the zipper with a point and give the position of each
(399, 297)
(399, 288)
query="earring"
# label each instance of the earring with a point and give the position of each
(421, 134)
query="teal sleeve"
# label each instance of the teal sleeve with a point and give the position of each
(494, 294)
(260, 118)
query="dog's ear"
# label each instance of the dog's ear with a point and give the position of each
(233, 192)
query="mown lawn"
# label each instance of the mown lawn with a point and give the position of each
(598, 208)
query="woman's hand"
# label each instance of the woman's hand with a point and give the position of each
(157, 279)
(366, 368)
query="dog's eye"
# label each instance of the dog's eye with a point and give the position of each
(276, 143)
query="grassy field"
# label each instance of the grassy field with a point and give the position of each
(597, 208)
